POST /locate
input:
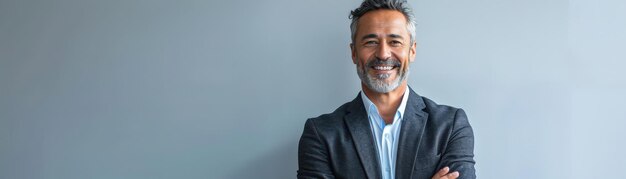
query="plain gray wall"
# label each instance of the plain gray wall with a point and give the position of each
(221, 89)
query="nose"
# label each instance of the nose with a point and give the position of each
(383, 52)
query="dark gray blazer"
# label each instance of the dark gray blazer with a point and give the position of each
(432, 136)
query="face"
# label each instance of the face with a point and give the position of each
(382, 50)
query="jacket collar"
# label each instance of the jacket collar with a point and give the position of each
(410, 135)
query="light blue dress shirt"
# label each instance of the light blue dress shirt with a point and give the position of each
(386, 135)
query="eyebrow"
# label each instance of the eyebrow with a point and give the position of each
(376, 36)
(395, 36)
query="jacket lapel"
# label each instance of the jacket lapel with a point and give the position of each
(411, 131)
(359, 127)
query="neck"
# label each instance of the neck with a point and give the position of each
(387, 103)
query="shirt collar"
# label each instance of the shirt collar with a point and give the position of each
(371, 109)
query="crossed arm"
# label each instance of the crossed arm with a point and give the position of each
(458, 158)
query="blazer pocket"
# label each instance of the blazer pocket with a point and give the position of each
(427, 162)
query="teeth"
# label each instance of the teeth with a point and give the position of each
(383, 67)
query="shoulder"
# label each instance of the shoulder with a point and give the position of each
(434, 108)
(440, 113)
(330, 120)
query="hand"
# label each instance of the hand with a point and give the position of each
(443, 174)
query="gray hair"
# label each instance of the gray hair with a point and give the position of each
(371, 5)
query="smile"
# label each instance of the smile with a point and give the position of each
(385, 68)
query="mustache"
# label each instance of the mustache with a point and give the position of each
(380, 62)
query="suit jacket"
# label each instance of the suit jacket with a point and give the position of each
(432, 136)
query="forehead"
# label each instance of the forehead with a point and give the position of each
(382, 22)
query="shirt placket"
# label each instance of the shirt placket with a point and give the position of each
(387, 147)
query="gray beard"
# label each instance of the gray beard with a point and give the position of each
(377, 82)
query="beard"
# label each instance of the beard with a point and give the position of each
(377, 82)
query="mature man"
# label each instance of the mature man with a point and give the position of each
(388, 131)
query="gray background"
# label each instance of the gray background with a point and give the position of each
(221, 89)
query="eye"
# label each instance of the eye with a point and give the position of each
(371, 43)
(395, 43)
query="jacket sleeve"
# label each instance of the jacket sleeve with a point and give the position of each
(313, 159)
(459, 153)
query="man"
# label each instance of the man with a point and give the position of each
(388, 131)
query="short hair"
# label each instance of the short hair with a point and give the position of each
(371, 5)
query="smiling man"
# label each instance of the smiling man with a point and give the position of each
(388, 131)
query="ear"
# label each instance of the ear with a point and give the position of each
(412, 52)
(353, 51)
